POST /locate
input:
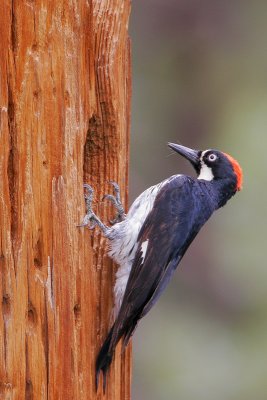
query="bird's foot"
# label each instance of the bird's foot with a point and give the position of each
(116, 201)
(90, 220)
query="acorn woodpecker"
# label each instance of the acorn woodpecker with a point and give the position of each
(149, 242)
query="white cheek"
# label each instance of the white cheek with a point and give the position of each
(206, 173)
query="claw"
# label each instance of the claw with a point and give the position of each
(116, 186)
(88, 187)
(116, 201)
(88, 196)
(109, 197)
(90, 219)
(92, 226)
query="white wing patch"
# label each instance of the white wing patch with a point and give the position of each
(144, 249)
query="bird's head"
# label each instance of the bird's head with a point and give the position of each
(212, 165)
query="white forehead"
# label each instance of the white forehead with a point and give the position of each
(203, 153)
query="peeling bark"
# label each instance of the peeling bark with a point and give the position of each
(64, 120)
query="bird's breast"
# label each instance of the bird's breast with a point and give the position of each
(124, 236)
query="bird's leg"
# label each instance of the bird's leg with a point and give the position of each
(116, 201)
(90, 219)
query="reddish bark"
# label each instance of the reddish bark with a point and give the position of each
(64, 119)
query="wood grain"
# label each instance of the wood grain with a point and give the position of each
(65, 85)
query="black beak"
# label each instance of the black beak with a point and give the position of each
(191, 155)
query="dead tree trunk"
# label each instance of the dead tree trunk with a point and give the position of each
(64, 118)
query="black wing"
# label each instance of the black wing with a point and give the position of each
(176, 218)
(170, 227)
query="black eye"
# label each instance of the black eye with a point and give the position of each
(212, 157)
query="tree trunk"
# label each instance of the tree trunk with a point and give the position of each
(64, 118)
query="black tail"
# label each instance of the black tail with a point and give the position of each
(104, 360)
(106, 352)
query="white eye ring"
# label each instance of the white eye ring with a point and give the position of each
(212, 157)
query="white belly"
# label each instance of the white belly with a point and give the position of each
(123, 239)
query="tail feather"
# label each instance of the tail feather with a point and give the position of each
(104, 360)
(128, 335)
(106, 352)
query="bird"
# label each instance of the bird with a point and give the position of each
(150, 240)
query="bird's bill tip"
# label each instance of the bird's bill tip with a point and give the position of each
(191, 155)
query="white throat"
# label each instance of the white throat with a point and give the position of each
(205, 171)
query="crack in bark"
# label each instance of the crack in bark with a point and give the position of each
(94, 143)
(14, 31)
(50, 283)
(49, 300)
(6, 306)
(12, 168)
(93, 138)
(28, 383)
(45, 340)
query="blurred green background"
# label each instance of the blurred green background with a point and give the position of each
(200, 79)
